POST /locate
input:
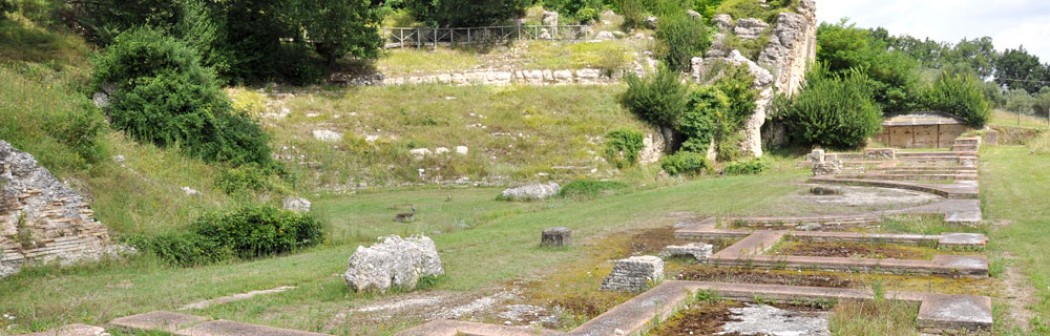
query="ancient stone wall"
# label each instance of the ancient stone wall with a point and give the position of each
(507, 77)
(41, 218)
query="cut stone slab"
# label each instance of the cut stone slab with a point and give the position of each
(698, 251)
(456, 328)
(941, 313)
(72, 330)
(231, 328)
(962, 240)
(769, 320)
(556, 237)
(157, 321)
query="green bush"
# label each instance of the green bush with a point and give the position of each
(580, 10)
(685, 163)
(833, 110)
(681, 38)
(718, 112)
(962, 96)
(81, 131)
(583, 189)
(165, 97)
(257, 231)
(622, 147)
(5, 7)
(658, 100)
(749, 167)
(184, 249)
(250, 232)
(633, 12)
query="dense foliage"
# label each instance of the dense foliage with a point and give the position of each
(833, 110)
(578, 10)
(465, 13)
(749, 167)
(164, 96)
(960, 95)
(685, 163)
(843, 47)
(6, 6)
(249, 232)
(622, 147)
(659, 99)
(681, 37)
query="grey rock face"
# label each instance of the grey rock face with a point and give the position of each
(532, 192)
(393, 262)
(650, 22)
(549, 18)
(634, 274)
(750, 29)
(297, 204)
(723, 22)
(698, 251)
(41, 218)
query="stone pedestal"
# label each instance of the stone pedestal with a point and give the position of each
(634, 274)
(556, 237)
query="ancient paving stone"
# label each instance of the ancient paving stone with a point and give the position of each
(232, 298)
(952, 313)
(962, 240)
(231, 328)
(634, 274)
(157, 321)
(556, 237)
(72, 330)
(769, 320)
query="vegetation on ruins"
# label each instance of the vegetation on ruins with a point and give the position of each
(164, 96)
(835, 110)
(681, 38)
(622, 147)
(463, 13)
(583, 11)
(962, 94)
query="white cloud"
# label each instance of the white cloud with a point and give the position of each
(1010, 23)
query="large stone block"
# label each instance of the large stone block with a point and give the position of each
(634, 274)
(393, 262)
(698, 251)
(556, 237)
(531, 192)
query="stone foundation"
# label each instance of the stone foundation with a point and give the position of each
(634, 274)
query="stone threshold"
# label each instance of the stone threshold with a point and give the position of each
(191, 325)
(938, 313)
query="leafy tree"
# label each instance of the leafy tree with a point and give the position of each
(682, 37)
(843, 48)
(103, 20)
(1019, 101)
(1018, 69)
(465, 13)
(1041, 102)
(337, 28)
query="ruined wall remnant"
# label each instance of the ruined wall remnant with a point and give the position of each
(41, 218)
(792, 48)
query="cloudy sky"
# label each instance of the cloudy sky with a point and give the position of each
(1010, 23)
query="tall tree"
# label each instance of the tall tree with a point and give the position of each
(1020, 70)
(465, 13)
(337, 28)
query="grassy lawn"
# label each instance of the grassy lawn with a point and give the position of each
(476, 230)
(1014, 189)
(1005, 118)
(513, 133)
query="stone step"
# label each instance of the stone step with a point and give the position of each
(72, 330)
(231, 328)
(755, 244)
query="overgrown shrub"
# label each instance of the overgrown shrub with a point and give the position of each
(766, 11)
(633, 12)
(622, 147)
(833, 110)
(183, 248)
(249, 232)
(165, 97)
(257, 231)
(583, 189)
(962, 96)
(681, 38)
(81, 131)
(717, 112)
(749, 167)
(659, 99)
(5, 7)
(685, 163)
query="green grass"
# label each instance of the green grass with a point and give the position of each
(1014, 189)
(873, 318)
(21, 40)
(1006, 118)
(505, 236)
(513, 133)
(411, 61)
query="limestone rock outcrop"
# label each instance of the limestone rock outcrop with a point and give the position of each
(751, 144)
(531, 192)
(393, 262)
(792, 47)
(41, 218)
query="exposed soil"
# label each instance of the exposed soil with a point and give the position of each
(699, 319)
(652, 241)
(765, 277)
(1018, 293)
(850, 250)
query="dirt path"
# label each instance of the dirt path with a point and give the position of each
(1018, 294)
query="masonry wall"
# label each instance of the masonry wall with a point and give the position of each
(921, 136)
